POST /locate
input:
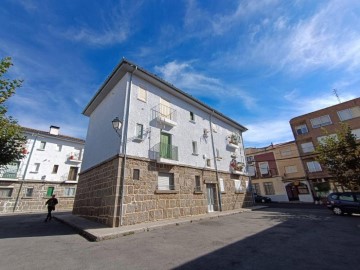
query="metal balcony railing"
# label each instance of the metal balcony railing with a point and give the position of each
(9, 175)
(162, 150)
(162, 112)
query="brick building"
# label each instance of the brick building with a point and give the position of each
(173, 156)
(308, 132)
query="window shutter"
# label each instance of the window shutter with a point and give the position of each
(264, 168)
(221, 183)
(238, 187)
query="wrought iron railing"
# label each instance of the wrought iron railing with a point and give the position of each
(163, 111)
(163, 150)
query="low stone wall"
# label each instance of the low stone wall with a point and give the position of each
(18, 202)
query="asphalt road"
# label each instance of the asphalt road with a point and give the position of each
(286, 237)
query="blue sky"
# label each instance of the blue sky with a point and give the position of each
(259, 62)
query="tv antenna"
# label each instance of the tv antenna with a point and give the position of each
(336, 94)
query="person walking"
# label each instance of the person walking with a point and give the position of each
(51, 206)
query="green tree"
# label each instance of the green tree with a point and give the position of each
(12, 139)
(340, 154)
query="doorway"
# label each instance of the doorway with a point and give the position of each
(211, 197)
(292, 192)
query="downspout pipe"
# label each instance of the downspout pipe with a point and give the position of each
(124, 144)
(215, 162)
(25, 171)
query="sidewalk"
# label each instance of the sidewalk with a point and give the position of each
(94, 231)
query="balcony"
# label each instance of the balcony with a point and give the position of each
(10, 171)
(165, 153)
(236, 167)
(233, 141)
(75, 158)
(8, 175)
(165, 115)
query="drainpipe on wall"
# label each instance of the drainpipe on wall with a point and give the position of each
(215, 162)
(25, 171)
(124, 144)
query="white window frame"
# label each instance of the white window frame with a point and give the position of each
(139, 131)
(42, 145)
(349, 113)
(291, 169)
(269, 188)
(321, 121)
(69, 192)
(264, 166)
(301, 129)
(307, 147)
(10, 193)
(165, 181)
(221, 185)
(238, 186)
(141, 93)
(194, 148)
(313, 166)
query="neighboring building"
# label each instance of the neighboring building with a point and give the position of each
(277, 172)
(51, 166)
(308, 132)
(174, 156)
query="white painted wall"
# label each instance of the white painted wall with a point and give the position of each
(102, 142)
(49, 157)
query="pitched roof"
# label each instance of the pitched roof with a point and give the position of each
(47, 134)
(126, 66)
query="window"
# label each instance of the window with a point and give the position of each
(29, 191)
(291, 169)
(58, 147)
(307, 147)
(285, 152)
(69, 192)
(194, 148)
(221, 185)
(301, 129)
(321, 121)
(256, 188)
(73, 173)
(42, 145)
(214, 127)
(322, 139)
(136, 174)
(50, 191)
(55, 169)
(166, 181)
(303, 189)
(251, 171)
(142, 93)
(208, 162)
(238, 186)
(346, 197)
(35, 168)
(314, 166)
(269, 188)
(349, 113)
(197, 183)
(356, 133)
(192, 116)
(139, 131)
(264, 167)
(250, 159)
(218, 153)
(6, 192)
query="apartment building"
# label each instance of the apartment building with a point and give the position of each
(154, 152)
(277, 172)
(308, 130)
(50, 166)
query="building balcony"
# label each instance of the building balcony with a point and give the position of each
(237, 167)
(165, 153)
(8, 175)
(233, 145)
(75, 158)
(165, 115)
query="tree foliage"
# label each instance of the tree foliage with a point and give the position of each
(340, 154)
(11, 135)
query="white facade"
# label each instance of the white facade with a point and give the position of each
(144, 109)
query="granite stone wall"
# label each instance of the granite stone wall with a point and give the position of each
(143, 202)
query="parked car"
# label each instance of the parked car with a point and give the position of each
(344, 202)
(261, 199)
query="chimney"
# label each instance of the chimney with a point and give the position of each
(54, 130)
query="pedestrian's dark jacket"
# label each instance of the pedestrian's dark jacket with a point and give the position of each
(51, 203)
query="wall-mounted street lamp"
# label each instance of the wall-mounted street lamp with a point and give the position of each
(116, 123)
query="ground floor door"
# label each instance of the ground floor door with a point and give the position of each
(211, 197)
(292, 192)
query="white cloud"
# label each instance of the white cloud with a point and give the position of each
(184, 76)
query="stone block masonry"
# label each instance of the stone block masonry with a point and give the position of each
(98, 188)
